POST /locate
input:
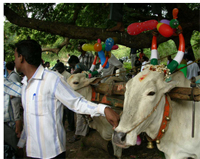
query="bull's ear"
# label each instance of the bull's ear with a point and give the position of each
(168, 86)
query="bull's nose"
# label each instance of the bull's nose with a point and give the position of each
(119, 137)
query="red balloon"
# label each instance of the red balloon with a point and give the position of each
(165, 30)
(137, 28)
(134, 29)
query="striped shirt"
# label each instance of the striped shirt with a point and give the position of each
(87, 59)
(42, 99)
(10, 89)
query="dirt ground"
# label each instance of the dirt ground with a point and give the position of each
(78, 150)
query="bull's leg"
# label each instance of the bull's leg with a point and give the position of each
(117, 151)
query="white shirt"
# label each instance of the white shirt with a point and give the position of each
(192, 70)
(113, 62)
(42, 99)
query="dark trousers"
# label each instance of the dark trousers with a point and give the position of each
(70, 119)
(60, 156)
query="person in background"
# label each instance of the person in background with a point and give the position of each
(82, 128)
(144, 62)
(169, 59)
(76, 65)
(47, 65)
(60, 68)
(86, 58)
(133, 55)
(192, 69)
(12, 75)
(138, 65)
(141, 55)
(114, 64)
(47, 91)
(12, 120)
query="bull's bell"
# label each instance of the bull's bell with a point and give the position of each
(150, 145)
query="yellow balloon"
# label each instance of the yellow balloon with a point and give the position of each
(88, 47)
(158, 25)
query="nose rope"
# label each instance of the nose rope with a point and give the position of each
(145, 117)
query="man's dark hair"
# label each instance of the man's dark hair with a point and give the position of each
(10, 65)
(72, 59)
(59, 65)
(30, 50)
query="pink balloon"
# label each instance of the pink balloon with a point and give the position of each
(165, 21)
(115, 47)
(98, 40)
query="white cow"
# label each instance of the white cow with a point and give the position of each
(142, 95)
(81, 84)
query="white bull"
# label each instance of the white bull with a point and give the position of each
(81, 84)
(146, 92)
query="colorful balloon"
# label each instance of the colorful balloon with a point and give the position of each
(174, 23)
(98, 40)
(137, 28)
(165, 21)
(110, 40)
(175, 13)
(165, 30)
(158, 25)
(88, 47)
(108, 46)
(103, 58)
(115, 47)
(97, 47)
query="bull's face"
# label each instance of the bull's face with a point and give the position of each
(79, 80)
(142, 94)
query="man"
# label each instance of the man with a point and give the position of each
(114, 64)
(192, 69)
(86, 58)
(43, 94)
(15, 102)
(12, 125)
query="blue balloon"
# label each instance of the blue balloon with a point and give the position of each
(110, 40)
(103, 58)
(108, 46)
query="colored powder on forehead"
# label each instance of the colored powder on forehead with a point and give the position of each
(142, 77)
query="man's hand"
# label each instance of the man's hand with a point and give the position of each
(18, 129)
(112, 117)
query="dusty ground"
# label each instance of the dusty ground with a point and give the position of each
(78, 150)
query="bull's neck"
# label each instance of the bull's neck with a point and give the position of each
(153, 128)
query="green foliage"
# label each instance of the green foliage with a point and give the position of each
(88, 15)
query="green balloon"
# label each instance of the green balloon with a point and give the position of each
(174, 23)
(103, 47)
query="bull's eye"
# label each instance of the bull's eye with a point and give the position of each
(75, 82)
(151, 93)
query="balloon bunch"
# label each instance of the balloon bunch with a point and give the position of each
(166, 28)
(104, 53)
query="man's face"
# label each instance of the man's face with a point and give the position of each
(17, 61)
(79, 48)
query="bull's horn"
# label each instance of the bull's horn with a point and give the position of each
(94, 63)
(92, 74)
(154, 52)
(179, 56)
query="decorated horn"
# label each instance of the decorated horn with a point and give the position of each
(92, 74)
(179, 56)
(154, 52)
(94, 63)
